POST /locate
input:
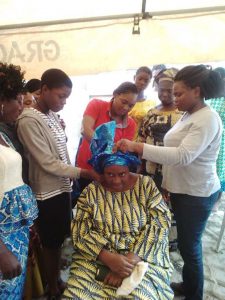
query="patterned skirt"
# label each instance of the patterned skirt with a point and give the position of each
(17, 243)
(82, 284)
(17, 212)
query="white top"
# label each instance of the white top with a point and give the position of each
(189, 154)
(10, 170)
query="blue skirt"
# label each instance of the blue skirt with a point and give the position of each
(17, 212)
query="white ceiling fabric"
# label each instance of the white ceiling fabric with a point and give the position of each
(97, 46)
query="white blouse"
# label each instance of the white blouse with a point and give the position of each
(10, 170)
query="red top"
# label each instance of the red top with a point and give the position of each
(99, 110)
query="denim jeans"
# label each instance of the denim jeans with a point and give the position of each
(191, 214)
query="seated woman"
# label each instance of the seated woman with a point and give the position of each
(119, 223)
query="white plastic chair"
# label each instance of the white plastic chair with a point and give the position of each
(222, 229)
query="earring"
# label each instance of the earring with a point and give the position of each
(2, 110)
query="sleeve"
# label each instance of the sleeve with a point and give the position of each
(36, 145)
(152, 243)
(145, 128)
(198, 138)
(86, 240)
(93, 109)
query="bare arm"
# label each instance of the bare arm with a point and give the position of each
(88, 124)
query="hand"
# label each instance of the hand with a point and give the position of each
(94, 175)
(133, 256)
(113, 279)
(9, 265)
(119, 264)
(123, 145)
(165, 195)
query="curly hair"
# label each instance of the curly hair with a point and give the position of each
(11, 81)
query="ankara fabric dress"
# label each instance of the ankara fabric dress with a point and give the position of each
(137, 221)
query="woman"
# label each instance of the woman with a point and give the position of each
(50, 171)
(119, 223)
(157, 123)
(142, 79)
(99, 112)
(18, 207)
(32, 92)
(189, 167)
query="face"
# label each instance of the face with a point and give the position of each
(123, 103)
(142, 80)
(28, 100)
(36, 94)
(11, 109)
(165, 92)
(55, 98)
(186, 98)
(116, 177)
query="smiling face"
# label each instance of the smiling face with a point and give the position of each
(142, 80)
(55, 98)
(123, 103)
(11, 109)
(116, 178)
(186, 98)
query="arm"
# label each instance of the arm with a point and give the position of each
(86, 239)
(36, 145)
(152, 242)
(9, 264)
(198, 138)
(88, 125)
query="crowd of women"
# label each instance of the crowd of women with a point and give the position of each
(134, 157)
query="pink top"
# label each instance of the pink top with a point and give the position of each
(99, 110)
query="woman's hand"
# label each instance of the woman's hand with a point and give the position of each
(119, 264)
(125, 145)
(134, 257)
(113, 279)
(9, 264)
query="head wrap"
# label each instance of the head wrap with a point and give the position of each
(102, 150)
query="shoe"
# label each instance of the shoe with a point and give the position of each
(178, 288)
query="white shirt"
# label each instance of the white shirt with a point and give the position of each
(10, 170)
(189, 154)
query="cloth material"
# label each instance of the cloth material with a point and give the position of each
(18, 209)
(8, 132)
(135, 221)
(60, 139)
(219, 105)
(10, 170)
(102, 149)
(139, 111)
(191, 214)
(46, 170)
(131, 282)
(190, 153)
(152, 131)
(100, 111)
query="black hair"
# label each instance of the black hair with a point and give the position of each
(11, 81)
(55, 78)
(33, 85)
(144, 69)
(209, 81)
(125, 87)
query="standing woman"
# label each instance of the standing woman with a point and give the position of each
(158, 121)
(142, 79)
(50, 171)
(18, 206)
(99, 112)
(189, 168)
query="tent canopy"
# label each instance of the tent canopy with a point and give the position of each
(92, 36)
